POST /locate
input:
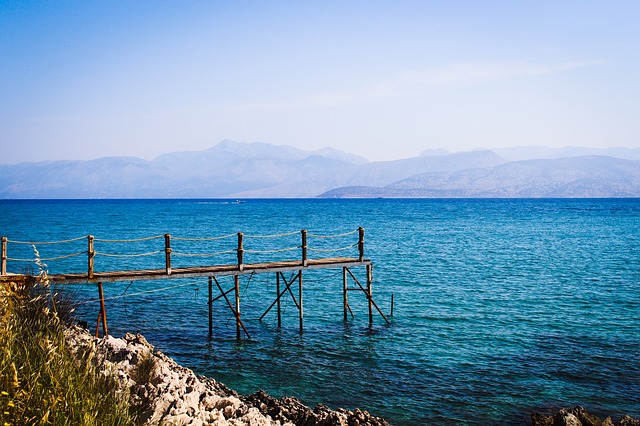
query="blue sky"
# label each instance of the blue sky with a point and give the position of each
(383, 79)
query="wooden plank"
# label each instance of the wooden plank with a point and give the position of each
(202, 271)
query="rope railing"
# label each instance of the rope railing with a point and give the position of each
(272, 251)
(64, 256)
(333, 236)
(222, 237)
(122, 296)
(134, 240)
(288, 234)
(218, 253)
(40, 243)
(239, 249)
(151, 253)
(334, 249)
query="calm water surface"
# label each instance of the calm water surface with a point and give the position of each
(501, 306)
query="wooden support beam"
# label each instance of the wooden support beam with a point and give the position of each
(370, 298)
(391, 314)
(304, 247)
(278, 299)
(280, 294)
(102, 316)
(293, 297)
(345, 300)
(300, 296)
(3, 256)
(90, 255)
(370, 293)
(240, 251)
(236, 281)
(235, 313)
(224, 294)
(210, 303)
(167, 253)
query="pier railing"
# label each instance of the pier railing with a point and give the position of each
(236, 249)
(241, 254)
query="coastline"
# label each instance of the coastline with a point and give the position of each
(164, 392)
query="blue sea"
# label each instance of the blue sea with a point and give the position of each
(501, 306)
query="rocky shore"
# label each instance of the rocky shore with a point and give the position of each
(165, 393)
(578, 416)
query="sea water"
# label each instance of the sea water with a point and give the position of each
(501, 307)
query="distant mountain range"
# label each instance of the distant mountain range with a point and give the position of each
(260, 170)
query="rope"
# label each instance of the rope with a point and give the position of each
(47, 242)
(273, 235)
(129, 255)
(272, 251)
(333, 236)
(66, 256)
(222, 237)
(135, 294)
(174, 253)
(129, 241)
(248, 282)
(335, 249)
(20, 260)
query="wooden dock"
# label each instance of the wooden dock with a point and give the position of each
(213, 271)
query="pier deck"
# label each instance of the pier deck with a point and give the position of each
(212, 271)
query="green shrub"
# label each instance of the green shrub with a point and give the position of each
(41, 382)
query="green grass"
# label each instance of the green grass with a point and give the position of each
(41, 382)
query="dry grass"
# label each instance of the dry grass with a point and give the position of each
(41, 383)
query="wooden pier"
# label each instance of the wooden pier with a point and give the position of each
(239, 267)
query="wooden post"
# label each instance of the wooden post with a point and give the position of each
(304, 247)
(103, 312)
(361, 243)
(3, 268)
(278, 300)
(240, 252)
(237, 291)
(391, 305)
(167, 253)
(300, 296)
(345, 301)
(210, 303)
(90, 255)
(370, 292)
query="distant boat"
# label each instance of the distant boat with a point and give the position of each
(238, 202)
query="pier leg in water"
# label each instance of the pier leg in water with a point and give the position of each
(370, 293)
(278, 300)
(300, 296)
(345, 301)
(237, 291)
(210, 303)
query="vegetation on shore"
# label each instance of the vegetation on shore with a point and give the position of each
(41, 381)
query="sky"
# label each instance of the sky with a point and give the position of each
(383, 79)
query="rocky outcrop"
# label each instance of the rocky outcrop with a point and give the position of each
(165, 393)
(289, 409)
(578, 416)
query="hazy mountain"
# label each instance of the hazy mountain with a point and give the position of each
(434, 152)
(225, 170)
(242, 170)
(382, 173)
(542, 152)
(589, 176)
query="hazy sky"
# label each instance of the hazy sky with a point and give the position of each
(383, 79)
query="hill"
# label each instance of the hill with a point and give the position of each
(259, 170)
